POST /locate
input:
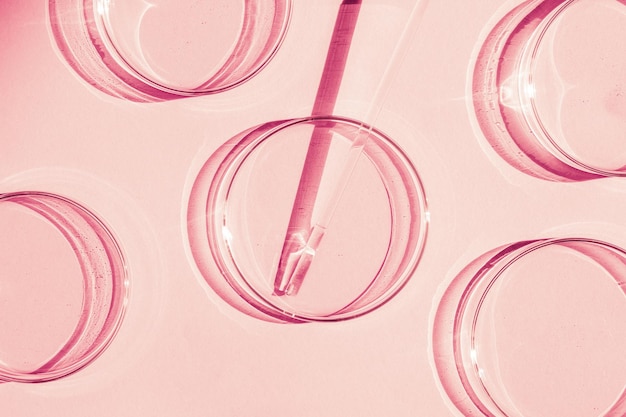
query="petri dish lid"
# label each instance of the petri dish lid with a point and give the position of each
(358, 242)
(549, 91)
(63, 287)
(163, 49)
(536, 329)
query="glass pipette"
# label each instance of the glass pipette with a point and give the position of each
(303, 238)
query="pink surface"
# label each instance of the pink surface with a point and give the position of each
(182, 350)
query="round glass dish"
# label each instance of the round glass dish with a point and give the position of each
(356, 241)
(549, 92)
(536, 328)
(63, 287)
(164, 49)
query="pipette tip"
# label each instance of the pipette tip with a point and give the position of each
(295, 260)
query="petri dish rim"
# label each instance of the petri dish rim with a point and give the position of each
(456, 327)
(103, 27)
(218, 194)
(534, 117)
(494, 115)
(120, 292)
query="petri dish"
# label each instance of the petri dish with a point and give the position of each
(374, 222)
(535, 328)
(548, 90)
(163, 49)
(63, 287)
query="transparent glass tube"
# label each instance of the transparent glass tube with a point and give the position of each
(303, 236)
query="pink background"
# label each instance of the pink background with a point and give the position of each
(182, 350)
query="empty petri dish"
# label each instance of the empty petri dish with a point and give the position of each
(162, 49)
(536, 328)
(548, 88)
(63, 287)
(356, 241)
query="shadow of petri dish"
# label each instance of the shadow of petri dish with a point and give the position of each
(548, 88)
(536, 329)
(166, 49)
(374, 229)
(63, 287)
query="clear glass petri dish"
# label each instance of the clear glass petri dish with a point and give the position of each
(368, 227)
(536, 328)
(164, 49)
(63, 287)
(548, 89)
